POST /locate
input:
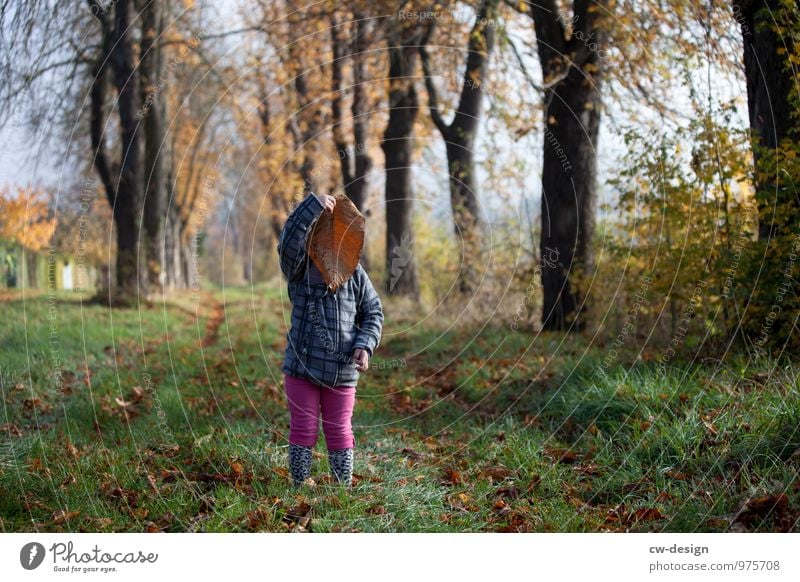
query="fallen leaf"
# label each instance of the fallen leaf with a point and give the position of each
(140, 512)
(496, 472)
(501, 507)
(169, 475)
(72, 450)
(587, 469)
(565, 456)
(298, 514)
(756, 509)
(11, 430)
(151, 480)
(461, 502)
(677, 475)
(282, 471)
(127, 407)
(646, 514)
(257, 518)
(516, 523)
(62, 515)
(508, 492)
(36, 403)
(371, 478)
(411, 453)
(128, 497)
(68, 480)
(452, 477)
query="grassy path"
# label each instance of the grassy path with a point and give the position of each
(172, 418)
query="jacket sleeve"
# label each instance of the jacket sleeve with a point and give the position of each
(370, 316)
(294, 236)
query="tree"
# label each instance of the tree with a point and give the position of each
(122, 177)
(152, 112)
(572, 73)
(770, 29)
(25, 219)
(401, 273)
(354, 160)
(192, 166)
(310, 114)
(354, 166)
(772, 97)
(459, 136)
(128, 138)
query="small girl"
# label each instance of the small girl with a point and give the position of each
(332, 337)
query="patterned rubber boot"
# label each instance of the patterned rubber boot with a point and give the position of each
(299, 463)
(341, 462)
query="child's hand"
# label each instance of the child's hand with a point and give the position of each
(361, 358)
(328, 202)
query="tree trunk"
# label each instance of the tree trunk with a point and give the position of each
(460, 134)
(190, 263)
(152, 112)
(361, 115)
(769, 318)
(569, 184)
(397, 145)
(131, 275)
(355, 165)
(173, 266)
(572, 73)
(305, 125)
(128, 275)
(773, 118)
(124, 191)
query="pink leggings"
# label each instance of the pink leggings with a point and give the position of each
(305, 400)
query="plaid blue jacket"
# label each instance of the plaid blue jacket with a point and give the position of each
(325, 327)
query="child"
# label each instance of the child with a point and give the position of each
(332, 337)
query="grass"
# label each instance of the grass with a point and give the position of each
(171, 417)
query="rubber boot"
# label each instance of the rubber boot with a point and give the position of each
(341, 462)
(299, 463)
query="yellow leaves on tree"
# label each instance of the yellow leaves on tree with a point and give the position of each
(24, 218)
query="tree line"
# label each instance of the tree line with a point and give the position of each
(146, 95)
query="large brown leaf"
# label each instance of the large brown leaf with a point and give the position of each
(336, 241)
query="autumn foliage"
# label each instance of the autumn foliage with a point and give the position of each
(25, 218)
